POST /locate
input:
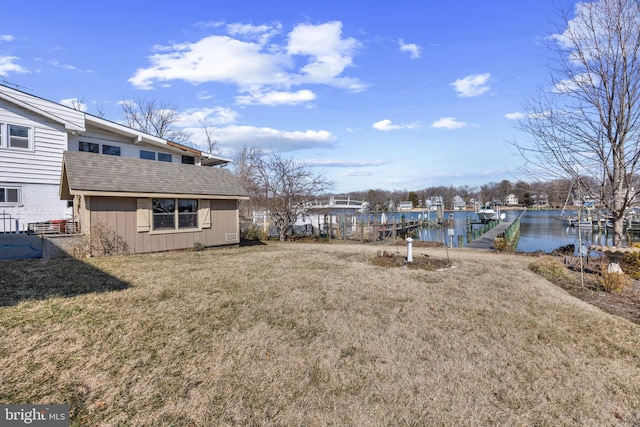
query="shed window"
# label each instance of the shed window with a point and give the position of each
(167, 213)
(188, 160)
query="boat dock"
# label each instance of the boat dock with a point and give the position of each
(486, 240)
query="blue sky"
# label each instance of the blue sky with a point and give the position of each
(396, 95)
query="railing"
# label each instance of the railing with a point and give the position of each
(56, 226)
(9, 224)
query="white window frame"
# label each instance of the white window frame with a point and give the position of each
(3, 190)
(5, 137)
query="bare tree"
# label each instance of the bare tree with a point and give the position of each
(79, 104)
(279, 185)
(157, 118)
(210, 133)
(589, 124)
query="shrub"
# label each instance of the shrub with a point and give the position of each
(630, 263)
(500, 244)
(101, 241)
(251, 232)
(551, 269)
(613, 281)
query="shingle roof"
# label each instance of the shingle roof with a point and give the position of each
(90, 172)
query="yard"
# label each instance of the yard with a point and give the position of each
(311, 334)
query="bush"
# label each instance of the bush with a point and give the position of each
(551, 269)
(251, 232)
(101, 241)
(614, 281)
(630, 263)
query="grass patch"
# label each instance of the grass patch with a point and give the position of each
(307, 334)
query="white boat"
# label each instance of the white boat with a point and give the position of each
(573, 221)
(487, 213)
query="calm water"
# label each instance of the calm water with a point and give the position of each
(539, 230)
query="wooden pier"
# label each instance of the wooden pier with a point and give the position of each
(486, 240)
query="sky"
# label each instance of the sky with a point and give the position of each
(398, 95)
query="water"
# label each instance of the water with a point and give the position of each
(539, 230)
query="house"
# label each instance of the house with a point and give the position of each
(152, 206)
(405, 205)
(459, 203)
(511, 200)
(34, 133)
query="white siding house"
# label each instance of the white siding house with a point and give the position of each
(34, 134)
(511, 200)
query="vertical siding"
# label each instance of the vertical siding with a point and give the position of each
(119, 214)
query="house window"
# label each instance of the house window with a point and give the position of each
(151, 155)
(167, 213)
(111, 150)
(147, 155)
(19, 137)
(164, 157)
(14, 136)
(89, 147)
(9, 196)
(188, 160)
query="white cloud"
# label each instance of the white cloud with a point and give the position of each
(329, 54)
(213, 59)
(573, 84)
(412, 48)
(74, 103)
(386, 125)
(259, 33)
(331, 163)
(253, 59)
(514, 116)
(211, 116)
(7, 38)
(448, 123)
(274, 139)
(277, 98)
(8, 65)
(472, 85)
(360, 172)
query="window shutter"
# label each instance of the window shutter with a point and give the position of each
(143, 217)
(205, 214)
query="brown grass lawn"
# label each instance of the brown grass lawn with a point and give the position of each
(297, 334)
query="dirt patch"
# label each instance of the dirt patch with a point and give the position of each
(420, 262)
(583, 282)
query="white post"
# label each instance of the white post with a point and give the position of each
(409, 249)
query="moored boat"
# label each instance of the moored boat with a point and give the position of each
(487, 213)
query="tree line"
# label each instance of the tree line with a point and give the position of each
(555, 192)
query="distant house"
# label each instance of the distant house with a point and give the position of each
(459, 203)
(511, 200)
(540, 200)
(404, 206)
